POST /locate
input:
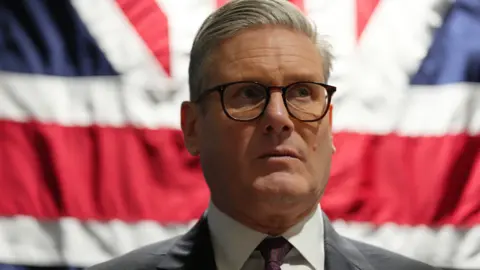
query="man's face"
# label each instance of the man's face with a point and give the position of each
(232, 153)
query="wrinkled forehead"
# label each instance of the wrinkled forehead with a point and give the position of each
(268, 54)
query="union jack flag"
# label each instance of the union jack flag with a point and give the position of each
(92, 162)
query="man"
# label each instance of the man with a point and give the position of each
(259, 121)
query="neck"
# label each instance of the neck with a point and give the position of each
(274, 222)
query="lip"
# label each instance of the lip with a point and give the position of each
(281, 152)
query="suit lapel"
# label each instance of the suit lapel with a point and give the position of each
(191, 251)
(341, 254)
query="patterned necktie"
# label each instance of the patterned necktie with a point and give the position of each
(273, 251)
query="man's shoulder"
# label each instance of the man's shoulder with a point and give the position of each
(144, 258)
(380, 258)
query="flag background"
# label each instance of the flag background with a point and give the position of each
(92, 162)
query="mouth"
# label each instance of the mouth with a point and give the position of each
(281, 153)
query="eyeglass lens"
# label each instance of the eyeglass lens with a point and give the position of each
(246, 100)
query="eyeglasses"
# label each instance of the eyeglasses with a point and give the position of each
(247, 101)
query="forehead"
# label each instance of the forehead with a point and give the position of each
(270, 54)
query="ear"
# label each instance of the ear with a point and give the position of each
(330, 120)
(188, 118)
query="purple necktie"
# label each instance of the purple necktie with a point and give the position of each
(273, 251)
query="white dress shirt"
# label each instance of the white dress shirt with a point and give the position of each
(234, 244)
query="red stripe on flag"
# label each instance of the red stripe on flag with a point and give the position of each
(104, 173)
(365, 10)
(143, 14)
(221, 3)
(406, 180)
(101, 173)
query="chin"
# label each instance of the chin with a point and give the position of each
(283, 185)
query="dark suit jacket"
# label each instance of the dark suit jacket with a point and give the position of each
(193, 250)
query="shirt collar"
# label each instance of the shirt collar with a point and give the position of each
(307, 238)
(234, 242)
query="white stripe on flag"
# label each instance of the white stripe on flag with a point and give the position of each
(25, 240)
(422, 110)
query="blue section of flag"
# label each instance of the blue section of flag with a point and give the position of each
(48, 37)
(455, 52)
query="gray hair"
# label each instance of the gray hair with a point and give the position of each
(238, 15)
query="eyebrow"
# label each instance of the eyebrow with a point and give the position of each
(304, 76)
(287, 78)
(253, 72)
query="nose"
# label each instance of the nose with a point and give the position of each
(276, 118)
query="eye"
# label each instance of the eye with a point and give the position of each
(302, 92)
(244, 94)
(251, 92)
(245, 91)
(299, 91)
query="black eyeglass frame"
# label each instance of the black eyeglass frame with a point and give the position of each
(221, 90)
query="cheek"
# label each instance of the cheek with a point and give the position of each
(322, 142)
(236, 139)
(319, 145)
(226, 140)
(316, 137)
(225, 156)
